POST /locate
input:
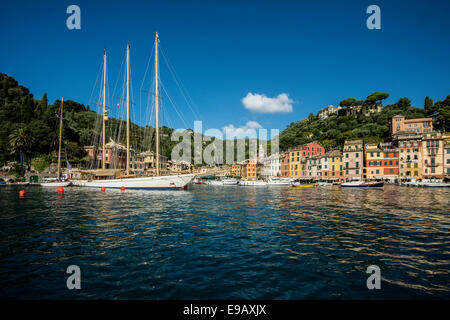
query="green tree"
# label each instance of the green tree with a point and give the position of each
(347, 102)
(377, 97)
(21, 142)
(428, 105)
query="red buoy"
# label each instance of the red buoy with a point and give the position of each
(122, 188)
(103, 188)
(22, 193)
(60, 190)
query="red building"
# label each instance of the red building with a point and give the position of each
(390, 161)
(285, 164)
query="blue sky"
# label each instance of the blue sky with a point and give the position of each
(315, 52)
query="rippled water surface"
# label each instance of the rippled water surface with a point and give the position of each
(225, 243)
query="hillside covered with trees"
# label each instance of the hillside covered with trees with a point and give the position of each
(345, 125)
(29, 126)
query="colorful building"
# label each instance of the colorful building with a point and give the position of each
(373, 169)
(390, 161)
(410, 155)
(252, 169)
(314, 167)
(335, 166)
(433, 156)
(446, 139)
(422, 125)
(353, 160)
(298, 156)
(285, 169)
(236, 170)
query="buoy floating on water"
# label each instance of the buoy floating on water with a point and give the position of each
(122, 188)
(22, 193)
(102, 188)
(60, 190)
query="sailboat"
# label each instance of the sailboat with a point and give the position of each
(129, 181)
(57, 182)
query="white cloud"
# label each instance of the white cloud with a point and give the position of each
(262, 104)
(248, 130)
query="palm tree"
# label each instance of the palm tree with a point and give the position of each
(21, 141)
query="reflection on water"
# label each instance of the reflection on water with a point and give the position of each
(225, 243)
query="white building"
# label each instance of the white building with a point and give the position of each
(271, 166)
(328, 111)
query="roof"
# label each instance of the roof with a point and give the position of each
(354, 142)
(418, 120)
(333, 153)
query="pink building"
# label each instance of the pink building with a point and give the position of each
(353, 160)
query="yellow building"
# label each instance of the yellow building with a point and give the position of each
(335, 163)
(410, 155)
(295, 164)
(373, 165)
(433, 155)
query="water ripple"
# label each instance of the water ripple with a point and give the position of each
(225, 243)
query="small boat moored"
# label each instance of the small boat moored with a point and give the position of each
(54, 182)
(253, 183)
(300, 185)
(362, 184)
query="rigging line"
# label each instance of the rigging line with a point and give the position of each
(174, 106)
(145, 75)
(146, 69)
(118, 76)
(182, 89)
(96, 80)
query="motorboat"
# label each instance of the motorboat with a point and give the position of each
(433, 184)
(362, 184)
(54, 182)
(253, 183)
(303, 185)
(276, 181)
(214, 183)
(230, 182)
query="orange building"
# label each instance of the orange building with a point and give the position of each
(236, 170)
(390, 161)
(422, 125)
(285, 172)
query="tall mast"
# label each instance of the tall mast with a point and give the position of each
(128, 110)
(60, 135)
(157, 104)
(104, 112)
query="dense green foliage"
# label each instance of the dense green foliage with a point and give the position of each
(30, 127)
(334, 130)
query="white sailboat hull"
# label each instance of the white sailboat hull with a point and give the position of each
(55, 184)
(161, 182)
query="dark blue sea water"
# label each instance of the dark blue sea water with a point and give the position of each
(225, 243)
